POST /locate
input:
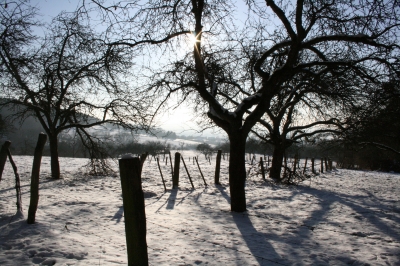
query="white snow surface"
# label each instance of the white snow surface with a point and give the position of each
(342, 217)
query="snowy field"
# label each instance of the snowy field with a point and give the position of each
(341, 217)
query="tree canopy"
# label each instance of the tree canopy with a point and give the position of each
(67, 77)
(299, 75)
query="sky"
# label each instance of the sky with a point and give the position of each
(179, 120)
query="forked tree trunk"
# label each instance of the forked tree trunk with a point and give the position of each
(237, 172)
(277, 159)
(55, 165)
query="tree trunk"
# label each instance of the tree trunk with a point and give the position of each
(277, 159)
(237, 172)
(55, 165)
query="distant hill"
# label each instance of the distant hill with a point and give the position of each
(23, 135)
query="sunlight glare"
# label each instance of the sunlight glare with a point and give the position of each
(193, 38)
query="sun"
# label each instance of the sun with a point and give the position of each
(194, 38)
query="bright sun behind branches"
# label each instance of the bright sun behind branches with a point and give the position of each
(194, 38)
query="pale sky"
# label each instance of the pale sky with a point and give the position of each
(180, 120)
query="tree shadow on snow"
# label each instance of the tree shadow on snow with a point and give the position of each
(26, 244)
(373, 212)
(118, 215)
(171, 199)
(297, 237)
(257, 242)
(365, 208)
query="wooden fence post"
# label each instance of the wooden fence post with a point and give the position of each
(326, 164)
(170, 162)
(322, 165)
(200, 171)
(175, 178)
(305, 166)
(134, 210)
(262, 168)
(295, 163)
(37, 159)
(17, 183)
(3, 156)
(162, 177)
(312, 165)
(217, 168)
(190, 179)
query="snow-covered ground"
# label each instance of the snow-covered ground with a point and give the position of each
(341, 217)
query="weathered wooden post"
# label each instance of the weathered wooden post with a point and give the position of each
(175, 178)
(17, 183)
(326, 164)
(201, 173)
(37, 159)
(295, 163)
(3, 156)
(187, 172)
(262, 168)
(298, 160)
(162, 177)
(305, 166)
(134, 210)
(170, 162)
(322, 165)
(217, 168)
(312, 165)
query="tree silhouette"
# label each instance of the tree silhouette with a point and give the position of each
(70, 78)
(237, 73)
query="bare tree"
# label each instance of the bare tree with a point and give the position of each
(312, 105)
(319, 39)
(70, 78)
(240, 74)
(375, 131)
(237, 73)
